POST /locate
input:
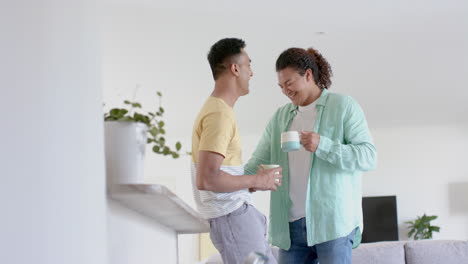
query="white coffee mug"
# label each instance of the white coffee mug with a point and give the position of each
(270, 166)
(290, 141)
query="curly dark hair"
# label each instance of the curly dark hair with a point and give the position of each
(221, 51)
(301, 60)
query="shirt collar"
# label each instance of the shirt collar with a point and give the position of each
(320, 101)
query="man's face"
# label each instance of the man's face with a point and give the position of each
(245, 72)
(296, 87)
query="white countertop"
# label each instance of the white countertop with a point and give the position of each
(158, 202)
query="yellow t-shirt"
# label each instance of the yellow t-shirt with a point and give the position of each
(215, 129)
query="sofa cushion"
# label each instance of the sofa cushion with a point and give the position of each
(437, 251)
(380, 253)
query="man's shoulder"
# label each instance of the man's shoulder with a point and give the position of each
(212, 103)
(285, 109)
(337, 98)
(216, 107)
(282, 114)
(340, 101)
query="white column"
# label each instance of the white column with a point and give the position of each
(52, 189)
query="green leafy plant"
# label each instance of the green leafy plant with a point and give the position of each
(421, 228)
(154, 122)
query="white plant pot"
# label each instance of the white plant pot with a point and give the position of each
(125, 144)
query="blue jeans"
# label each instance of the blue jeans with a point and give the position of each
(336, 251)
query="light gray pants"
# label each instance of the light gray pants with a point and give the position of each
(237, 234)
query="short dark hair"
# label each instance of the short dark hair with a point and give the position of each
(301, 60)
(221, 51)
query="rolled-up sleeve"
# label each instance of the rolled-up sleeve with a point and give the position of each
(358, 151)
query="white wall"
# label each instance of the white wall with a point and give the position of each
(405, 62)
(134, 238)
(52, 194)
(421, 165)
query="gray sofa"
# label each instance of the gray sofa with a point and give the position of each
(412, 252)
(400, 252)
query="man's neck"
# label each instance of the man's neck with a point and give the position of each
(225, 91)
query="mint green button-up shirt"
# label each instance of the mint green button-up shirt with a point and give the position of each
(333, 205)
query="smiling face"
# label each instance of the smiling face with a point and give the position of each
(301, 90)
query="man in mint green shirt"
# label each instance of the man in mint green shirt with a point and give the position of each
(316, 214)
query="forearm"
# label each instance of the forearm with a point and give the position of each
(357, 151)
(220, 181)
(362, 156)
(261, 154)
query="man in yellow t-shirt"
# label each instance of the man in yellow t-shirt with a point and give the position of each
(221, 189)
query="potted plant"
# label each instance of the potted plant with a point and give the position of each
(127, 132)
(421, 228)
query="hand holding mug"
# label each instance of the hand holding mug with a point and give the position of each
(268, 178)
(310, 140)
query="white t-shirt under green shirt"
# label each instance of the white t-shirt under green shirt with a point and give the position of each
(300, 163)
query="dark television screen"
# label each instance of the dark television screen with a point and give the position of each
(380, 219)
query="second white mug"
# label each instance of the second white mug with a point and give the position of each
(290, 141)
